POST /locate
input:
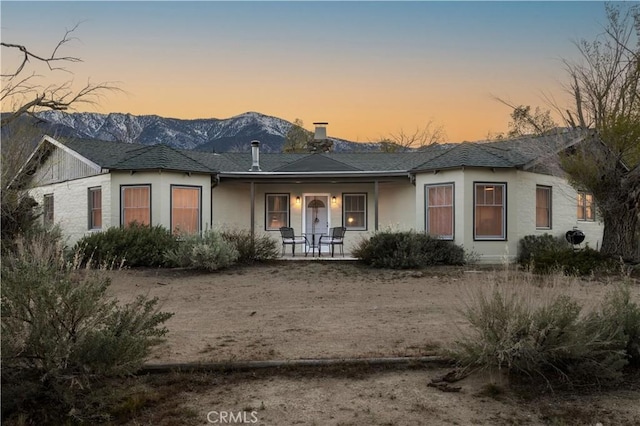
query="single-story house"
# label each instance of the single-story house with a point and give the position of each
(483, 196)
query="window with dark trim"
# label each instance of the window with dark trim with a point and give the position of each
(439, 210)
(354, 211)
(185, 209)
(136, 204)
(276, 211)
(543, 207)
(586, 206)
(47, 209)
(490, 211)
(95, 208)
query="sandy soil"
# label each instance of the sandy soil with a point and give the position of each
(296, 310)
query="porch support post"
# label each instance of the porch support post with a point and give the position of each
(253, 209)
(375, 205)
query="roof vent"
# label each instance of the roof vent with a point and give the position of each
(255, 156)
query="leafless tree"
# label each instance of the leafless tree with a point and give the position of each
(23, 93)
(604, 86)
(525, 122)
(422, 137)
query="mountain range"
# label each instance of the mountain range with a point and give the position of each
(207, 134)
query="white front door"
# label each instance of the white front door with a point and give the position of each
(316, 217)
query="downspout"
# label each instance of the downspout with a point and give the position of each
(375, 204)
(215, 181)
(253, 210)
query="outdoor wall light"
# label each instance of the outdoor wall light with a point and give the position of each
(298, 201)
(333, 200)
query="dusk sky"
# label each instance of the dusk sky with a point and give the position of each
(367, 68)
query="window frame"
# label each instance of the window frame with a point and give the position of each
(550, 207)
(199, 188)
(46, 220)
(584, 207)
(267, 212)
(91, 208)
(366, 211)
(453, 209)
(136, 185)
(502, 237)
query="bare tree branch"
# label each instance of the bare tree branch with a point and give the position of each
(27, 96)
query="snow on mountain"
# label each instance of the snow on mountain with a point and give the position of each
(207, 134)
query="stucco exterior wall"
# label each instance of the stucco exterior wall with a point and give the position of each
(160, 194)
(71, 204)
(520, 209)
(563, 209)
(232, 206)
(397, 206)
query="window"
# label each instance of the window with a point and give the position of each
(354, 211)
(136, 204)
(439, 203)
(185, 209)
(489, 210)
(95, 208)
(277, 211)
(586, 208)
(47, 209)
(543, 207)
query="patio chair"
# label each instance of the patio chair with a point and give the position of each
(289, 238)
(333, 239)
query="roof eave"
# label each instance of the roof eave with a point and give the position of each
(287, 175)
(52, 141)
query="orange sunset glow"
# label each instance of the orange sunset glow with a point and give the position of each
(369, 69)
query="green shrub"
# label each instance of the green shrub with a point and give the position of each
(546, 253)
(61, 333)
(404, 250)
(209, 252)
(138, 245)
(250, 250)
(581, 262)
(549, 339)
(531, 246)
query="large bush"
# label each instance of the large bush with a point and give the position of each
(208, 252)
(545, 254)
(531, 246)
(137, 245)
(404, 250)
(252, 249)
(61, 333)
(550, 338)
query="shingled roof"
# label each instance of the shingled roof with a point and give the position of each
(513, 153)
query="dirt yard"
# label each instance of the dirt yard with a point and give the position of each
(302, 310)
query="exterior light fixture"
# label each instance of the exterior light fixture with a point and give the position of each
(333, 200)
(297, 201)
